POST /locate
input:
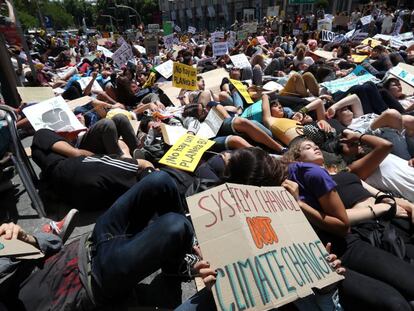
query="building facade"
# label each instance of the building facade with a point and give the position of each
(212, 14)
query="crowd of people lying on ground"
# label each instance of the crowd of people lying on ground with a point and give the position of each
(346, 156)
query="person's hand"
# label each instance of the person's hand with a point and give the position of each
(330, 113)
(349, 136)
(94, 75)
(144, 164)
(118, 105)
(298, 116)
(333, 260)
(160, 106)
(203, 270)
(411, 162)
(12, 231)
(86, 153)
(324, 126)
(292, 187)
(401, 212)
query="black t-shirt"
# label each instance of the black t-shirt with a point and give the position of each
(350, 189)
(212, 169)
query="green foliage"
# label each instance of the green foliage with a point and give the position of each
(26, 20)
(60, 17)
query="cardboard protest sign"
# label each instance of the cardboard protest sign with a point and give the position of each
(177, 28)
(35, 94)
(272, 86)
(53, 114)
(357, 77)
(242, 90)
(396, 43)
(263, 247)
(406, 35)
(240, 60)
(79, 102)
(191, 30)
(165, 69)
(122, 55)
(186, 153)
(151, 45)
(382, 37)
(220, 48)
(184, 77)
(261, 40)
(169, 41)
(19, 249)
(341, 20)
(323, 54)
(327, 36)
(371, 42)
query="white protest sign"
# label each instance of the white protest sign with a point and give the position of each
(366, 19)
(327, 36)
(83, 82)
(153, 28)
(120, 40)
(169, 41)
(357, 77)
(325, 24)
(53, 114)
(396, 43)
(349, 34)
(217, 36)
(177, 28)
(250, 27)
(220, 48)
(403, 75)
(263, 247)
(407, 35)
(232, 39)
(296, 32)
(382, 37)
(240, 61)
(191, 29)
(140, 48)
(105, 51)
(122, 55)
(165, 69)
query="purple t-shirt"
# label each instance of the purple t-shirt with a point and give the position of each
(313, 180)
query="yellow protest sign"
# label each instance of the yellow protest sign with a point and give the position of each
(242, 90)
(184, 77)
(358, 58)
(371, 42)
(186, 152)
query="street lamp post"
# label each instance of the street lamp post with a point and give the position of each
(132, 9)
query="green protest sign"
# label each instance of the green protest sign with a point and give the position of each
(168, 28)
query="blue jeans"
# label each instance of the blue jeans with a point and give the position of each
(128, 245)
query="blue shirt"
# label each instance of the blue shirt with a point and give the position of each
(313, 180)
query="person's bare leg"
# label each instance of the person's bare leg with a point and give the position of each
(237, 142)
(247, 127)
(389, 118)
(408, 123)
(204, 98)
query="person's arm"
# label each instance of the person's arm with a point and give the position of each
(67, 150)
(353, 101)
(223, 111)
(88, 88)
(10, 231)
(317, 106)
(365, 166)
(360, 214)
(332, 218)
(266, 115)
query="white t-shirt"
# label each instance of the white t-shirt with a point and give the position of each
(394, 175)
(363, 123)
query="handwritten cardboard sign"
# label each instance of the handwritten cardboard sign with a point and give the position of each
(184, 77)
(264, 249)
(186, 152)
(19, 249)
(151, 45)
(169, 41)
(262, 40)
(191, 30)
(328, 36)
(242, 90)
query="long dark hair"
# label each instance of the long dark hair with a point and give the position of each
(254, 166)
